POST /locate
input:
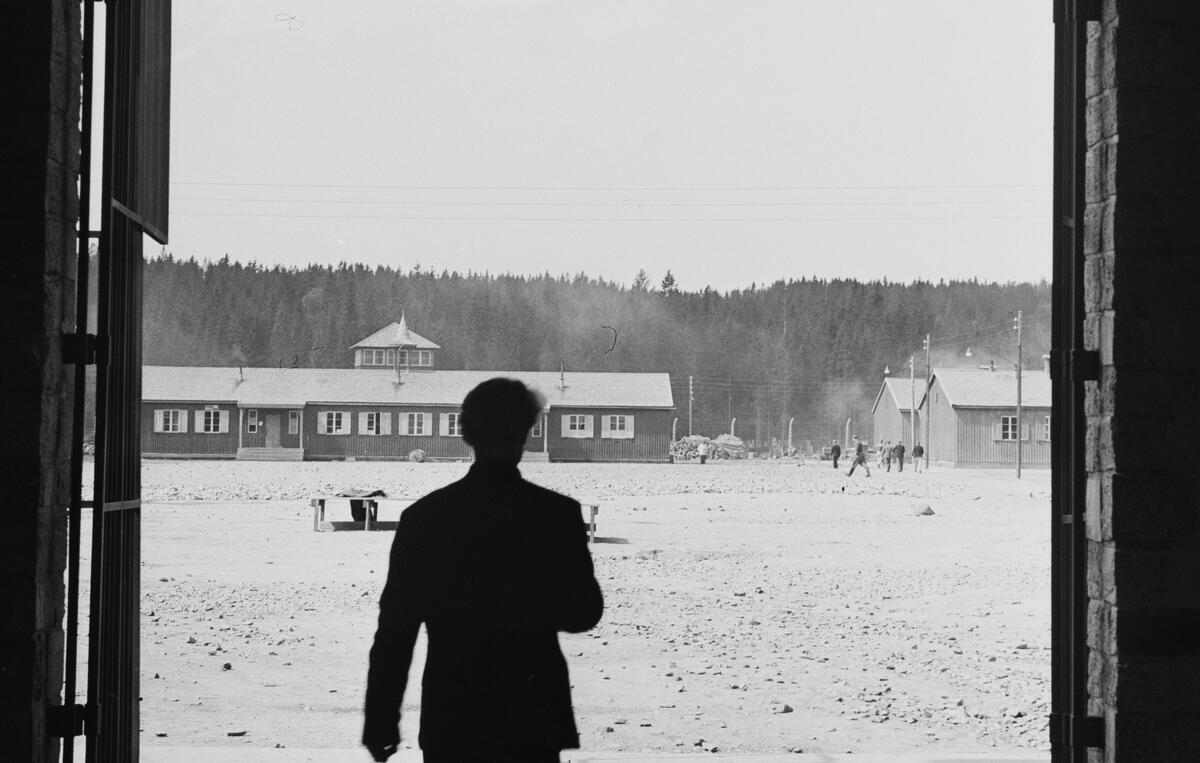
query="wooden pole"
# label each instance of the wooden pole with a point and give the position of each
(1020, 426)
(928, 401)
(690, 406)
(912, 405)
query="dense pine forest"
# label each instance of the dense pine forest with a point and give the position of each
(809, 349)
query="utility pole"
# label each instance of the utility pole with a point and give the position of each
(912, 406)
(690, 398)
(729, 404)
(1020, 426)
(928, 401)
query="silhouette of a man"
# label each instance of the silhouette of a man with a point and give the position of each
(495, 567)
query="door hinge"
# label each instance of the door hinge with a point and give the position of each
(68, 721)
(84, 349)
(1075, 365)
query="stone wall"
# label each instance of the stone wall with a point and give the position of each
(40, 46)
(1143, 267)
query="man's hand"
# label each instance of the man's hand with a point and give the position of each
(382, 753)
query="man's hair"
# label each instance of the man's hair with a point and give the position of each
(500, 410)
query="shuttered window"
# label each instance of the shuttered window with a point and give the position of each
(170, 421)
(333, 422)
(252, 421)
(374, 423)
(293, 422)
(577, 426)
(415, 424)
(212, 422)
(616, 427)
(450, 425)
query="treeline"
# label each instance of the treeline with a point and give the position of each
(809, 349)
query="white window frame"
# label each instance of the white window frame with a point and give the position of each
(424, 358)
(391, 357)
(454, 424)
(409, 421)
(616, 426)
(537, 427)
(171, 421)
(252, 421)
(293, 422)
(212, 422)
(402, 357)
(1010, 429)
(578, 426)
(372, 421)
(326, 418)
(1046, 429)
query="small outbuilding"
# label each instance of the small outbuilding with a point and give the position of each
(892, 412)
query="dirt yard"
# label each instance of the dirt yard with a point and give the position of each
(750, 607)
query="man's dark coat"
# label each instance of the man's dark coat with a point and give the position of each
(494, 566)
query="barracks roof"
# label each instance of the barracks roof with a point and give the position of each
(901, 391)
(397, 335)
(295, 387)
(981, 388)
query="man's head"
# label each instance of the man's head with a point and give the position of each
(497, 416)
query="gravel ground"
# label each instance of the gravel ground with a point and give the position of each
(750, 607)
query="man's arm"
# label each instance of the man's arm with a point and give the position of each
(400, 616)
(578, 604)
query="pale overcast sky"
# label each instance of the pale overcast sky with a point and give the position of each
(728, 141)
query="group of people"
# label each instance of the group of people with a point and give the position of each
(887, 454)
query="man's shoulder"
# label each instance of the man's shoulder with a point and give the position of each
(431, 502)
(547, 497)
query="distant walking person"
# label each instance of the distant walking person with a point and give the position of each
(886, 455)
(898, 455)
(860, 459)
(495, 567)
(836, 452)
(879, 454)
(918, 454)
(702, 450)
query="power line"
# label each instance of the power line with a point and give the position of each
(415, 203)
(579, 188)
(473, 218)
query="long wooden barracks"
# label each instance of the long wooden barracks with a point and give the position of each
(393, 402)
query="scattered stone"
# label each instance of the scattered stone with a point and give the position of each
(235, 733)
(227, 666)
(923, 510)
(781, 708)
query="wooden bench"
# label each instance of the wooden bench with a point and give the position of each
(371, 521)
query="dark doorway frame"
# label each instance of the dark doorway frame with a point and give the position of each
(134, 202)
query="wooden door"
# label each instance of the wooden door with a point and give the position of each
(273, 423)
